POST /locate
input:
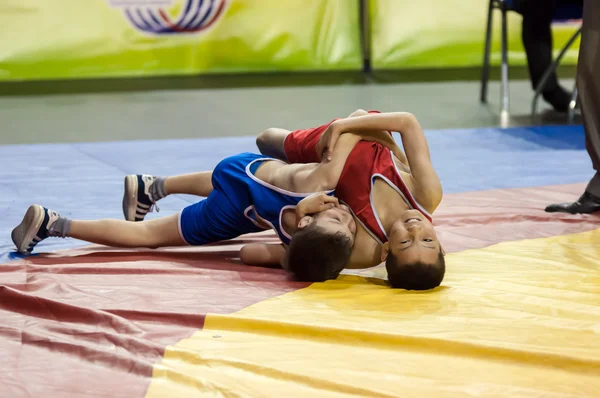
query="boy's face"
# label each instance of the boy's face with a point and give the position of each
(337, 220)
(413, 239)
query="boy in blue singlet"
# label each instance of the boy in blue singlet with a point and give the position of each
(245, 193)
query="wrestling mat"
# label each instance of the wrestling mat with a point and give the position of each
(518, 314)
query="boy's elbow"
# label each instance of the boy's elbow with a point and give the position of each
(245, 255)
(405, 121)
(359, 112)
(408, 117)
(249, 255)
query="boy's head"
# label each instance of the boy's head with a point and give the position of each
(413, 256)
(321, 246)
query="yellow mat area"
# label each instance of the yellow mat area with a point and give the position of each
(518, 319)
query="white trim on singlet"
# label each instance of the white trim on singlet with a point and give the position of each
(273, 187)
(247, 210)
(283, 231)
(180, 230)
(420, 208)
(268, 223)
(395, 188)
(277, 231)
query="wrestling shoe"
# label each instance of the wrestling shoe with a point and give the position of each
(137, 200)
(33, 229)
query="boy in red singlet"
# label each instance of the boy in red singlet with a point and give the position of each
(391, 195)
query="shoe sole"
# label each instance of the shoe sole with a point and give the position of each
(552, 210)
(25, 232)
(130, 197)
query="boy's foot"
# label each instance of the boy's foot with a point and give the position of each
(137, 200)
(34, 228)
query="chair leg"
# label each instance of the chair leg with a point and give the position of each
(549, 71)
(485, 70)
(505, 102)
(573, 104)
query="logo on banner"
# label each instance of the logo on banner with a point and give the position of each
(151, 16)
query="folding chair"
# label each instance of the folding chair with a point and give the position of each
(564, 12)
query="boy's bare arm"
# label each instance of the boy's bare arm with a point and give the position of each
(271, 141)
(415, 144)
(262, 254)
(325, 175)
(329, 138)
(385, 138)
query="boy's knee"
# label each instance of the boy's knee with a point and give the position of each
(271, 141)
(264, 139)
(151, 238)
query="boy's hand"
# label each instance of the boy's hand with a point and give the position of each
(315, 203)
(328, 140)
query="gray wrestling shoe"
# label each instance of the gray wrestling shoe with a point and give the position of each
(137, 200)
(34, 228)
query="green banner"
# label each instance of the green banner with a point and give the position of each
(447, 33)
(45, 39)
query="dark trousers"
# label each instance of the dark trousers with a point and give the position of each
(537, 37)
(588, 84)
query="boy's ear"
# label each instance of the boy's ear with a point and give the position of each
(305, 221)
(385, 249)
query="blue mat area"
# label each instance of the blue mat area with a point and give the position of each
(85, 181)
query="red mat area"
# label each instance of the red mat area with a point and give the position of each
(478, 219)
(92, 322)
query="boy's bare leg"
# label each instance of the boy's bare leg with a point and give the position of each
(161, 232)
(40, 223)
(271, 143)
(143, 191)
(198, 184)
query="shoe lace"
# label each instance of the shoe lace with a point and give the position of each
(154, 207)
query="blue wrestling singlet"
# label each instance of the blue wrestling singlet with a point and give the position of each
(230, 209)
(270, 201)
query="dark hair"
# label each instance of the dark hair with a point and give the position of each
(415, 276)
(315, 256)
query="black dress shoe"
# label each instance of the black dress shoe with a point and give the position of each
(586, 204)
(559, 98)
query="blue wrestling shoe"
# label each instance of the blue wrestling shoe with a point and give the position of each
(34, 228)
(137, 200)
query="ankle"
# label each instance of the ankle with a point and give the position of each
(61, 228)
(157, 189)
